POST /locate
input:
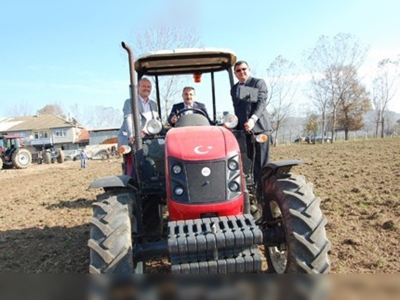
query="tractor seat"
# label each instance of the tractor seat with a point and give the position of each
(192, 120)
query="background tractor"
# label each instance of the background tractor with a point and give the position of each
(187, 193)
(12, 152)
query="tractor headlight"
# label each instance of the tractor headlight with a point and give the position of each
(154, 126)
(233, 165)
(261, 138)
(124, 149)
(233, 186)
(230, 121)
(178, 190)
(176, 169)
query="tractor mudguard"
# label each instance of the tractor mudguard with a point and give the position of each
(113, 182)
(279, 167)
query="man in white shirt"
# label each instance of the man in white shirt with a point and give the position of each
(147, 109)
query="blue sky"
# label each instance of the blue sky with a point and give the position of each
(68, 52)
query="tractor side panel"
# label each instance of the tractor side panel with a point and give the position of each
(152, 166)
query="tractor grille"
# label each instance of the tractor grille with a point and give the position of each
(211, 188)
(215, 245)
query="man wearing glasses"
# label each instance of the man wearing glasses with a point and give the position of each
(252, 114)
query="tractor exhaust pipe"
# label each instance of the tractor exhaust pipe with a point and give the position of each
(134, 100)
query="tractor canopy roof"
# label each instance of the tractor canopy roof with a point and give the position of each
(10, 136)
(185, 61)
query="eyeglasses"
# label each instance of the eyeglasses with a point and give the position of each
(242, 69)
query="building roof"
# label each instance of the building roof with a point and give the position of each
(102, 129)
(84, 136)
(35, 122)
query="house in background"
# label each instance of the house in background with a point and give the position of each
(46, 131)
(83, 138)
(101, 136)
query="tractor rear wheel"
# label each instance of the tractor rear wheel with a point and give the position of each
(60, 157)
(21, 158)
(293, 206)
(112, 226)
(47, 157)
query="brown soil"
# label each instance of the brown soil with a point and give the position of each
(45, 209)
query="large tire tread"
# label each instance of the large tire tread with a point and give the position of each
(304, 224)
(111, 233)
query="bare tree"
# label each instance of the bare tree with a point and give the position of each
(52, 109)
(332, 63)
(166, 38)
(23, 109)
(75, 112)
(282, 86)
(320, 99)
(105, 117)
(391, 126)
(384, 87)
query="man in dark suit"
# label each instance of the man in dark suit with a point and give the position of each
(189, 97)
(252, 116)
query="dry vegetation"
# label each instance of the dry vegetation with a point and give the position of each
(45, 209)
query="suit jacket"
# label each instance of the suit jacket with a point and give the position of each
(127, 128)
(258, 108)
(179, 106)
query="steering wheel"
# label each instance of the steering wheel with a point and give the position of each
(191, 109)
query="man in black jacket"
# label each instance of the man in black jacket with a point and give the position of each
(189, 97)
(252, 115)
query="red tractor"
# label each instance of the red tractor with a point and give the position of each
(190, 195)
(12, 152)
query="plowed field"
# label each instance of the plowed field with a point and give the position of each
(45, 209)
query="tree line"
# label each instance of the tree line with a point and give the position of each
(337, 95)
(338, 98)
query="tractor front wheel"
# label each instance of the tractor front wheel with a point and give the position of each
(112, 226)
(289, 203)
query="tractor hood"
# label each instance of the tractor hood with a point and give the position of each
(200, 143)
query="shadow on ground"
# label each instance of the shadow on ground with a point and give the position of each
(58, 250)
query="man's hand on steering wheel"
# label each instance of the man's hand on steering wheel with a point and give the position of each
(177, 116)
(190, 109)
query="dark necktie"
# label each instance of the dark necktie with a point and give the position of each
(238, 88)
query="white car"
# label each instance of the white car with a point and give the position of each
(72, 154)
